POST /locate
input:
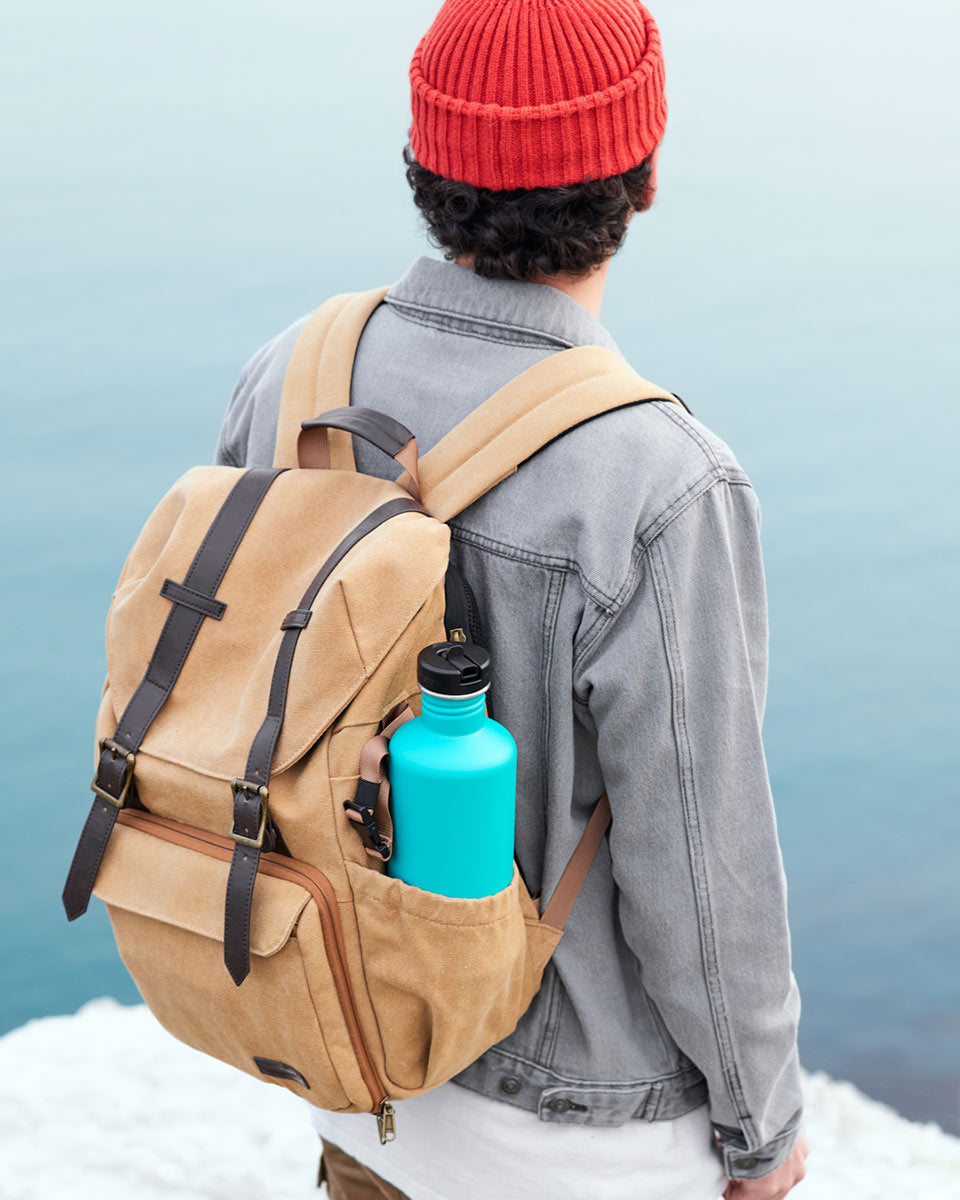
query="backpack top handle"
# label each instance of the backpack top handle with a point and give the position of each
(377, 428)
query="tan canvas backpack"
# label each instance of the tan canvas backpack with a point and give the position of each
(261, 647)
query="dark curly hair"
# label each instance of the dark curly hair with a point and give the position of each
(525, 233)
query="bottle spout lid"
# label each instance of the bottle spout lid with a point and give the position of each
(453, 668)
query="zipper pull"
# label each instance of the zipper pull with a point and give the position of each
(386, 1122)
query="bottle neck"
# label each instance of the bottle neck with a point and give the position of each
(453, 714)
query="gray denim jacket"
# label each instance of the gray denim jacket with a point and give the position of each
(620, 582)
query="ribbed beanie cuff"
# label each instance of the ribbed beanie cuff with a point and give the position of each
(537, 93)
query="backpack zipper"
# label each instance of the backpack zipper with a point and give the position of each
(461, 606)
(321, 890)
(473, 613)
(463, 612)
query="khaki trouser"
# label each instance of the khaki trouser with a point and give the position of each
(346, 1179)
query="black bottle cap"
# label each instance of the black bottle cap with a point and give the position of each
(454, 668)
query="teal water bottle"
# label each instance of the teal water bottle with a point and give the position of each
(453, 780)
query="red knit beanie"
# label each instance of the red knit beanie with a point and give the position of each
(537, 93)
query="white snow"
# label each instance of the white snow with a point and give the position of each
(105, 1105)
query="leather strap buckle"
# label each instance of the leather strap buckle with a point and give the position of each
(116, 750)
(250, 790)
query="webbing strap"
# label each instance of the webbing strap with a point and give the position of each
(192, 603)
(369, 810)
(575, 872)
(251, 793)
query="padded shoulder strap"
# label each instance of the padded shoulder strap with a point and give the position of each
(318, 375)
(539, 404)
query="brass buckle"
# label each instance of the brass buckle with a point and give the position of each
(241, 785)
(115, 748)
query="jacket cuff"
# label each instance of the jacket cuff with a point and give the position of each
(742, 1162)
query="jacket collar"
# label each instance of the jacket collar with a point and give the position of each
(453, 297)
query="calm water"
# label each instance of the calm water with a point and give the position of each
(180, 181)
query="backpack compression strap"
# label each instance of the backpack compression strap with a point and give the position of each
(193, 601)
(251, 793)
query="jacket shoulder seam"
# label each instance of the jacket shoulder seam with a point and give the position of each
(670, 412)
(642, 544)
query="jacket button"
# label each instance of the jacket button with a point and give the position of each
(510, 1084)
(748, 1163)
(559, 1104)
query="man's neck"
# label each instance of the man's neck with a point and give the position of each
(586, 290)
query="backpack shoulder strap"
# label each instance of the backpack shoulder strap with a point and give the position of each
(542, 402)
(575, 872)
(318, 375)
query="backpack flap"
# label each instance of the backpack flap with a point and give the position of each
(212, 716)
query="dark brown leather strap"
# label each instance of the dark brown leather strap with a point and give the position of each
(251, 827)
(379, 429)
(193, 601)
(575, 872)
(279, 1070)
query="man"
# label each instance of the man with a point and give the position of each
(620, 581)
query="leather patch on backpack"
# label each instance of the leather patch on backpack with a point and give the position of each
(280, 1070)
